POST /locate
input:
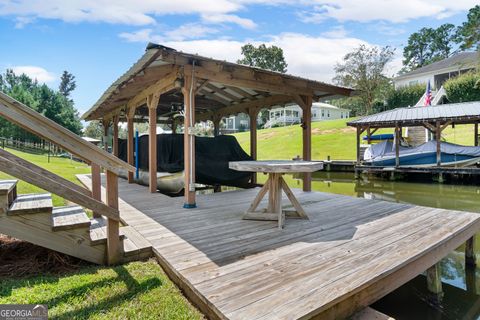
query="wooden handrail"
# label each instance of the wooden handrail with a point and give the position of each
(45, 173)
(34, 122)
(33, 174)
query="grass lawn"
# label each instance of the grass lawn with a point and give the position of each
(65, 168)
(138, 290)
(329, 138)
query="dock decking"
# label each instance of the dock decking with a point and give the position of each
(348, 255)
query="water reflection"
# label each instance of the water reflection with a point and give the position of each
(461, 287)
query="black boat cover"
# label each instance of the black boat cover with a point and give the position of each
(211, 158)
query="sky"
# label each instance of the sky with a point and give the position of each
(98, 40)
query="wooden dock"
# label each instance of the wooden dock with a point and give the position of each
(348, 255)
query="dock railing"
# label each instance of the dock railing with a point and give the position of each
(28, 119)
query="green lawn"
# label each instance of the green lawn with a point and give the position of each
(138, 290)
(329, 138)
(63, 167)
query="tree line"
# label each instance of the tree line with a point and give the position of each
(56, 105)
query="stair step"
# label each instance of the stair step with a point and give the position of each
(68, 218)
(6, 186)
(98, 232)
(31, 203)
(134, 245)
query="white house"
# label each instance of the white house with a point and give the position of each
(439, 72)
(291, 114)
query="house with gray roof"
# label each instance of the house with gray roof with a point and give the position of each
(439, 72)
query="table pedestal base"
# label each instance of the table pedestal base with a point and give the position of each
(274, 186)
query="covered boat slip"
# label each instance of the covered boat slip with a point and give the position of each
(181, 89)
(434, 119)
(350, 253)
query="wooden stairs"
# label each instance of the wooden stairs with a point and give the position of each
(69, 230)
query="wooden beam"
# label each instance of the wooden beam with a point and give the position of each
(245, 106)
(189, 137)
(152, 103)
(212, 96)
(242, 92)
(253, 114)
(434, 282)
(96, 186)
(113, 226)
(358, 144)
(470, 252)
(369, 135)
(397, 146)
(224, 93)
(307, 139)
(105, 124)
(429, 126)
(438, 135)
(475, 132)
(115, 135)
(163, 85)
(130, 146)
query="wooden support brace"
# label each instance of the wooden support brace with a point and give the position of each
(152, 103)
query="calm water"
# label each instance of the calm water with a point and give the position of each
(461, 287)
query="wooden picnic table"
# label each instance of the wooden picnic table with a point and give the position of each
(274, 186)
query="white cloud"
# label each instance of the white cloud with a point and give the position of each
(388, 10)
(184, 32)
(336, 32)
(307, 56)
(221, 18)
(38, 73)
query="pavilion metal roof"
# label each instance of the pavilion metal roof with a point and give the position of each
(214, 96)
(466, 112)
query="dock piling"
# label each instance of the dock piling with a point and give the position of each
(434, 284)
(470, 256)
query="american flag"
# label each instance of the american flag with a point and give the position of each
(428, 95)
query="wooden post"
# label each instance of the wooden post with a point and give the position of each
(216, 125)
(152, 103)
(369, 135)
(188, 91)
(130, 142)
(475, 138)
(106, 124)
(96, 186)
(115, 135)
(397, 146)
(359, 132)
(113, 227)
(470, 255)
(434, 283)
(438, 133)
(253, 113)
(307, 140)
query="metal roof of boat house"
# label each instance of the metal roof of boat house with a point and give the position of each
(466, 112)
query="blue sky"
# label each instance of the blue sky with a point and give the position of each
(97, 40)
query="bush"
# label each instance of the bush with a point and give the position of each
(463, 88)
(405, 96)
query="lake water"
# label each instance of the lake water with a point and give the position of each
(462, 288)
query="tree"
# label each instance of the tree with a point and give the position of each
(269, 58)
(52, 104)
(67, 84)
(468, 34)
(363, 69)
(417, 52)
(443, 40)
(94, 130)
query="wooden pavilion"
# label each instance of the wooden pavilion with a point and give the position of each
(164, 81)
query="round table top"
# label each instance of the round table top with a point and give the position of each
(277, 166)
